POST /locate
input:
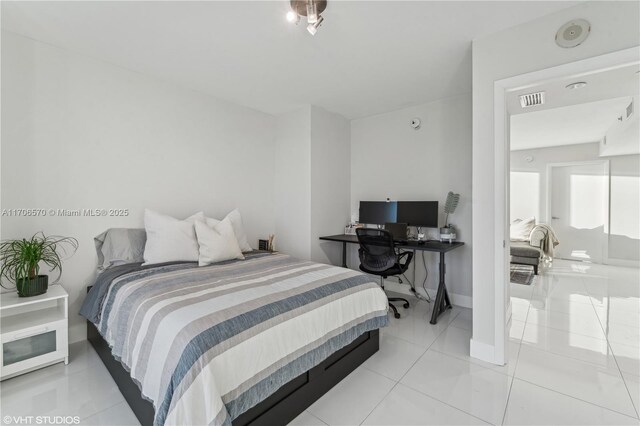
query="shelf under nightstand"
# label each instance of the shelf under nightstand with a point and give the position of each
(33, 331)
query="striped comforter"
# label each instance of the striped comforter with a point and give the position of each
(205, 344)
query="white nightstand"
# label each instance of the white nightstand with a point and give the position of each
(33, 331)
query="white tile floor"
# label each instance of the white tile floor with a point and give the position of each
(574, 359)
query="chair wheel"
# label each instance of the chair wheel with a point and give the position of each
(406, 306)
(396, 315)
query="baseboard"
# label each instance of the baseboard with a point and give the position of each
(456, 299)
(461, 300)
(623, 262)
(482, 351)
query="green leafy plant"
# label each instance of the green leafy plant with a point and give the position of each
(20, 259)
(450, 206)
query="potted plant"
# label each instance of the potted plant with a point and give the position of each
(20, 260)
(448, 232)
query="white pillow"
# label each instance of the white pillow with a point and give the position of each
(520, 230)
(217, 242)
(170, 239)
(238, 228)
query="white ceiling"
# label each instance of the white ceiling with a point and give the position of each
(570, 117)
(569, 125)
(368, 57)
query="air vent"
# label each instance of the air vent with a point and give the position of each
(532, 99)
(630, 109)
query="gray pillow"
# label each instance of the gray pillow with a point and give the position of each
(117, 246)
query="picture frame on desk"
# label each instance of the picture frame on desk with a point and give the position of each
(351, 228)
(267, 245)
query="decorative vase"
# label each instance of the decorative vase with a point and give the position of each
(448, 233)
(28, 287)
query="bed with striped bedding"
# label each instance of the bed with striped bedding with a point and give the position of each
(205, 344)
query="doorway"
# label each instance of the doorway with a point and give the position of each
(498, 354)
(578, 209)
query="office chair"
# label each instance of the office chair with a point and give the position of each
(378, 257)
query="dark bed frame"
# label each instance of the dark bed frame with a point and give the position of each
(278, 409)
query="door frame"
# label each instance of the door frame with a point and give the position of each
(501, 89)
(607, 213)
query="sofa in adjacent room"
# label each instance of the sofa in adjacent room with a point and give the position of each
(531, 242)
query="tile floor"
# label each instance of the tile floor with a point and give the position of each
(574, 359)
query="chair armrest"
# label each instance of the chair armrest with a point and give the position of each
(408, 255)
(538, 234)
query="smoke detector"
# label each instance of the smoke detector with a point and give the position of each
(573, 33)
(576, 85)
(531, 99)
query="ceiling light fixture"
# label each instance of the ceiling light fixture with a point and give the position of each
(576, 85)
(311, 9)
(312, 12)
(313, 28)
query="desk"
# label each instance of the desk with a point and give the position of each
(442, 302)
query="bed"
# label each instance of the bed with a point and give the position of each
(252, 341)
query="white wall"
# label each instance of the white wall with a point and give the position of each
(311, 183)
(518, 50)
(330, 182)
(624, 210)
(391, 159)
(622, 137)
(624, 217)
(292, 201)
(79, 133)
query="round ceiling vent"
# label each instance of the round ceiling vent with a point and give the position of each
(573, 33)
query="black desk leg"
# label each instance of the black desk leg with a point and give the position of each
(344, 255)
(442, 302)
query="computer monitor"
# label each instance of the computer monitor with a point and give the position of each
(418, 213)
(378, 212)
